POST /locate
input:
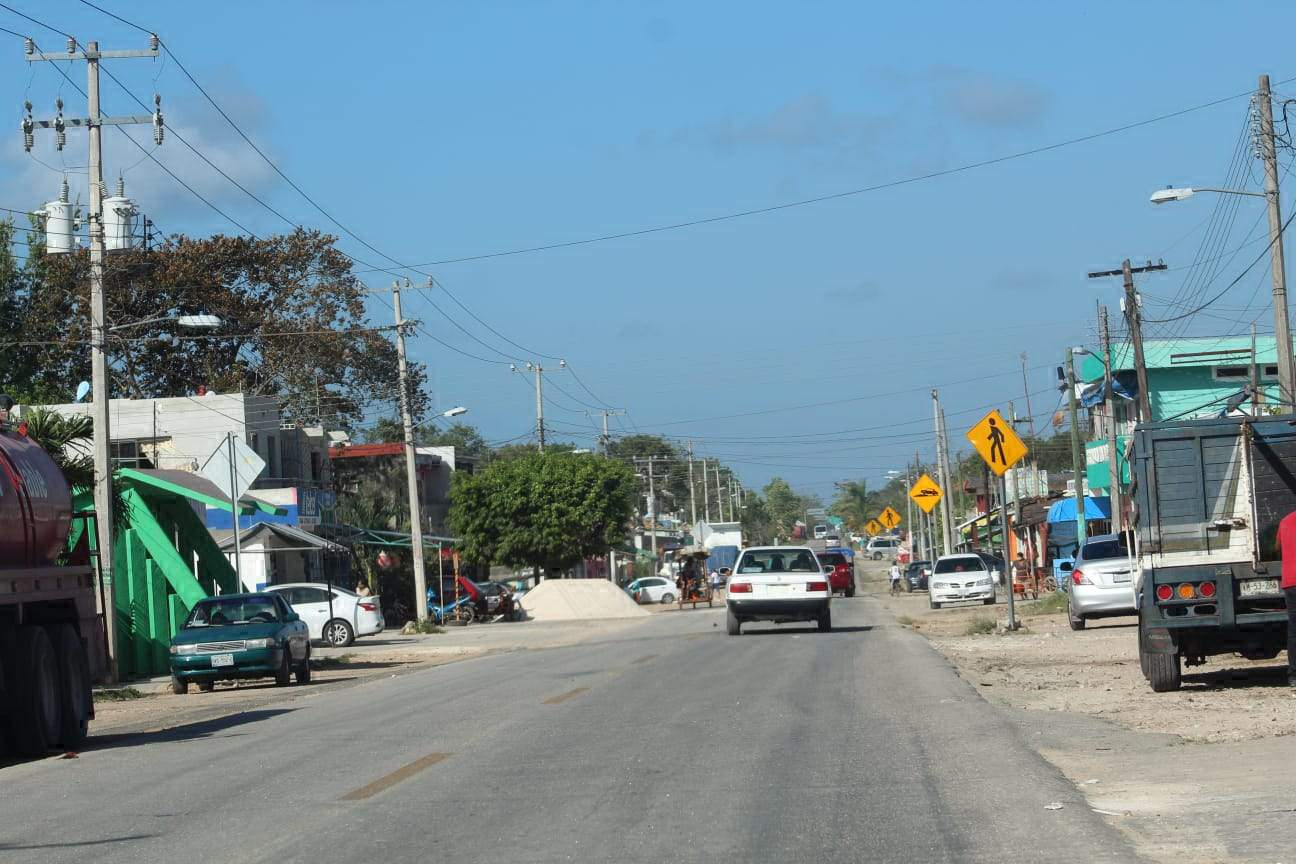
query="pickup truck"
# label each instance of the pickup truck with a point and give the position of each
(1208, 497)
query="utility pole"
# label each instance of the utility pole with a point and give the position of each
(1077, 460)
(411, 467)
(942, 467)
(94, 123)
(1113, 439)
(719, 497)
(652, 507)
(706, 494)
(909, 511)
(1282, 322)
(539, 391)
(692, 489)
(606, 441)
(1005, 527)
(1134, 317)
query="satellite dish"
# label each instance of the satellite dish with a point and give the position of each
(82, 389)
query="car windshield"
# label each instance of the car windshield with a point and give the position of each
(778, 561)
(833, 558)
(919, 565)
(219, 611)
(1099, 549)
(959, 565)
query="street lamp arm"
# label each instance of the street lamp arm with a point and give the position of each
(1229, 191)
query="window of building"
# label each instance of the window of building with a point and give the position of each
(129, 454)
(315, 465)
(272, 456)
(1243, 373)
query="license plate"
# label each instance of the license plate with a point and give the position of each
(778, 589)
(1121, 577)
(1255, 587)
(222, 660)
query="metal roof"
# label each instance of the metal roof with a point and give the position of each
(225, 539)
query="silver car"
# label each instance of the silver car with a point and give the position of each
(1101, 581)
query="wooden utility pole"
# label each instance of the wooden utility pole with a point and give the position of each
(1113, 438)
(942, 467)
(1134, 318)
(1282, 321)
(1077, 455)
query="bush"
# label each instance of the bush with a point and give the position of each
(980, 627)
(1049, 604)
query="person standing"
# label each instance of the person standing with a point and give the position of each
(1287, 548)
(895, 577)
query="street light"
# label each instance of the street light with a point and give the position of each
(457, 411)
(189, 322)
(1282, 321)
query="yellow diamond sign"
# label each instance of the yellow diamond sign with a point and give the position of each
(873, 527)
(997, 443)
(926, 493)
(889, 518)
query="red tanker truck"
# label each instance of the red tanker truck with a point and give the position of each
(51, 635)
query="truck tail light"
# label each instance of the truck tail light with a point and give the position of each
(740, 588)
(1206, 589)
(1164, 592)
(1078, 578)
(816, 586)
(1186, 591)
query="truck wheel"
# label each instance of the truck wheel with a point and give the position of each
(732, 624)
(1165, 672)
(1144, 657)
(36, 714)
(74, 686)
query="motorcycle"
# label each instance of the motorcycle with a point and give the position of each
(461, 611)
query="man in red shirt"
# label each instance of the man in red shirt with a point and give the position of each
(1287, 546)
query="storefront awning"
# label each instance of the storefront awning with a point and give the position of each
(1095, 508)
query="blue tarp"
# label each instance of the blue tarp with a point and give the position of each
(1095, 508)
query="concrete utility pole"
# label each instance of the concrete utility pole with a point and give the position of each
(606, 441)
(94, 123)
(1113, 438)
(706, 493)
(1134, 317)
(942, 467)
(539, 391)
(1005, 528)
(1282, 321)
(692, 489)
(652, 507)
(719, 497)
(1077, 457)
(411, 467)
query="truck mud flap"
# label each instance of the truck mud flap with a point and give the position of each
(1159, 640)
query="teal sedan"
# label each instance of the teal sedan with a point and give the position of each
(240, 636)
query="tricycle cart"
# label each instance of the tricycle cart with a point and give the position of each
(693, 589)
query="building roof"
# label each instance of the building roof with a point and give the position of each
(1187, 352)
(369, 451)
(196, 488)
(294, 536)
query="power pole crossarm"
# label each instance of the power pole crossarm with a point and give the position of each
(1134, 317)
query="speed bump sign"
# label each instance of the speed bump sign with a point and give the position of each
(997, 443)
(889, 518)
(926, 493)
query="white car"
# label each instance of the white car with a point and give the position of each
(779, 584)
(337, 623)
(652, 589)
(1102, 581)
(882, 547)
(961, 577)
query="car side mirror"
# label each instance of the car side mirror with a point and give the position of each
(828, 568)
(292, 616)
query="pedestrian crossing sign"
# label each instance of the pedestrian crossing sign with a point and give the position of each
(926, 493)
(994, 438)
(889, 518)
(873, 527)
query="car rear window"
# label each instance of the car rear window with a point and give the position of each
(833, 558)
(960, 565)
(1100, 549)
(778, 561)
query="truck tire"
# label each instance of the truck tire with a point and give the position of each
(36, 709)
(74, 686)
(1144, 657)
(1165, 672)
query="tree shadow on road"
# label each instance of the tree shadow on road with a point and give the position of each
(16, 847)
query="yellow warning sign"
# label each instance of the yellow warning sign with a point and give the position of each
(873, 527)
(926, 493)
(889, 518)
(997, 443)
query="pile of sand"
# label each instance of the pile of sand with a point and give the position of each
(577, 599)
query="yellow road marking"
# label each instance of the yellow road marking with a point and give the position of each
(563, 697)
(397, 776)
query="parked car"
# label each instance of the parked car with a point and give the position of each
(1102, 581)
(965, 576)
(882, 547)
(652, 589)
(240, 636)
(779, 584)
(499, 599)
(337, 623)
(842, 577)
(917, 575)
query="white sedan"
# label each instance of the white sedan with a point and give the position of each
(335, 623)
(779, 584)
(652, 589)
(961, 577)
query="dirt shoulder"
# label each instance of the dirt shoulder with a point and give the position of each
(1189, 776)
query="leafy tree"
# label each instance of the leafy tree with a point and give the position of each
(852, 504)
(68, 441)
(784, 506)
(293, 313)
(466, 440)
(542, 510)
(670, 468)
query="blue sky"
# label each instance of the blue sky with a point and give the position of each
(447, 130)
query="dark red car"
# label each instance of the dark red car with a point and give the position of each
(843, 576)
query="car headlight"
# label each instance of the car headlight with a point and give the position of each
(985, 581)
(183, 649)
(259, 643)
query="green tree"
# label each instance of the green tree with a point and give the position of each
(784, 506)
(542, 510)
(466, 440)
(852, 504)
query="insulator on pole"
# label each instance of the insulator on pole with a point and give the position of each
(153, 41)
(29, 47)
(158, 124)
(71, 45)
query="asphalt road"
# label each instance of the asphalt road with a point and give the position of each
(667, 742)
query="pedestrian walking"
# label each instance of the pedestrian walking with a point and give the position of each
(1022, 573)
(895, 577)
(716, 581)
(1287, 547)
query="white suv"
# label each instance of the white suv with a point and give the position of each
(779, 584)
(961, 577)
(882, 547)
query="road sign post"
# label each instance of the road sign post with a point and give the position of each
(997, 442)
